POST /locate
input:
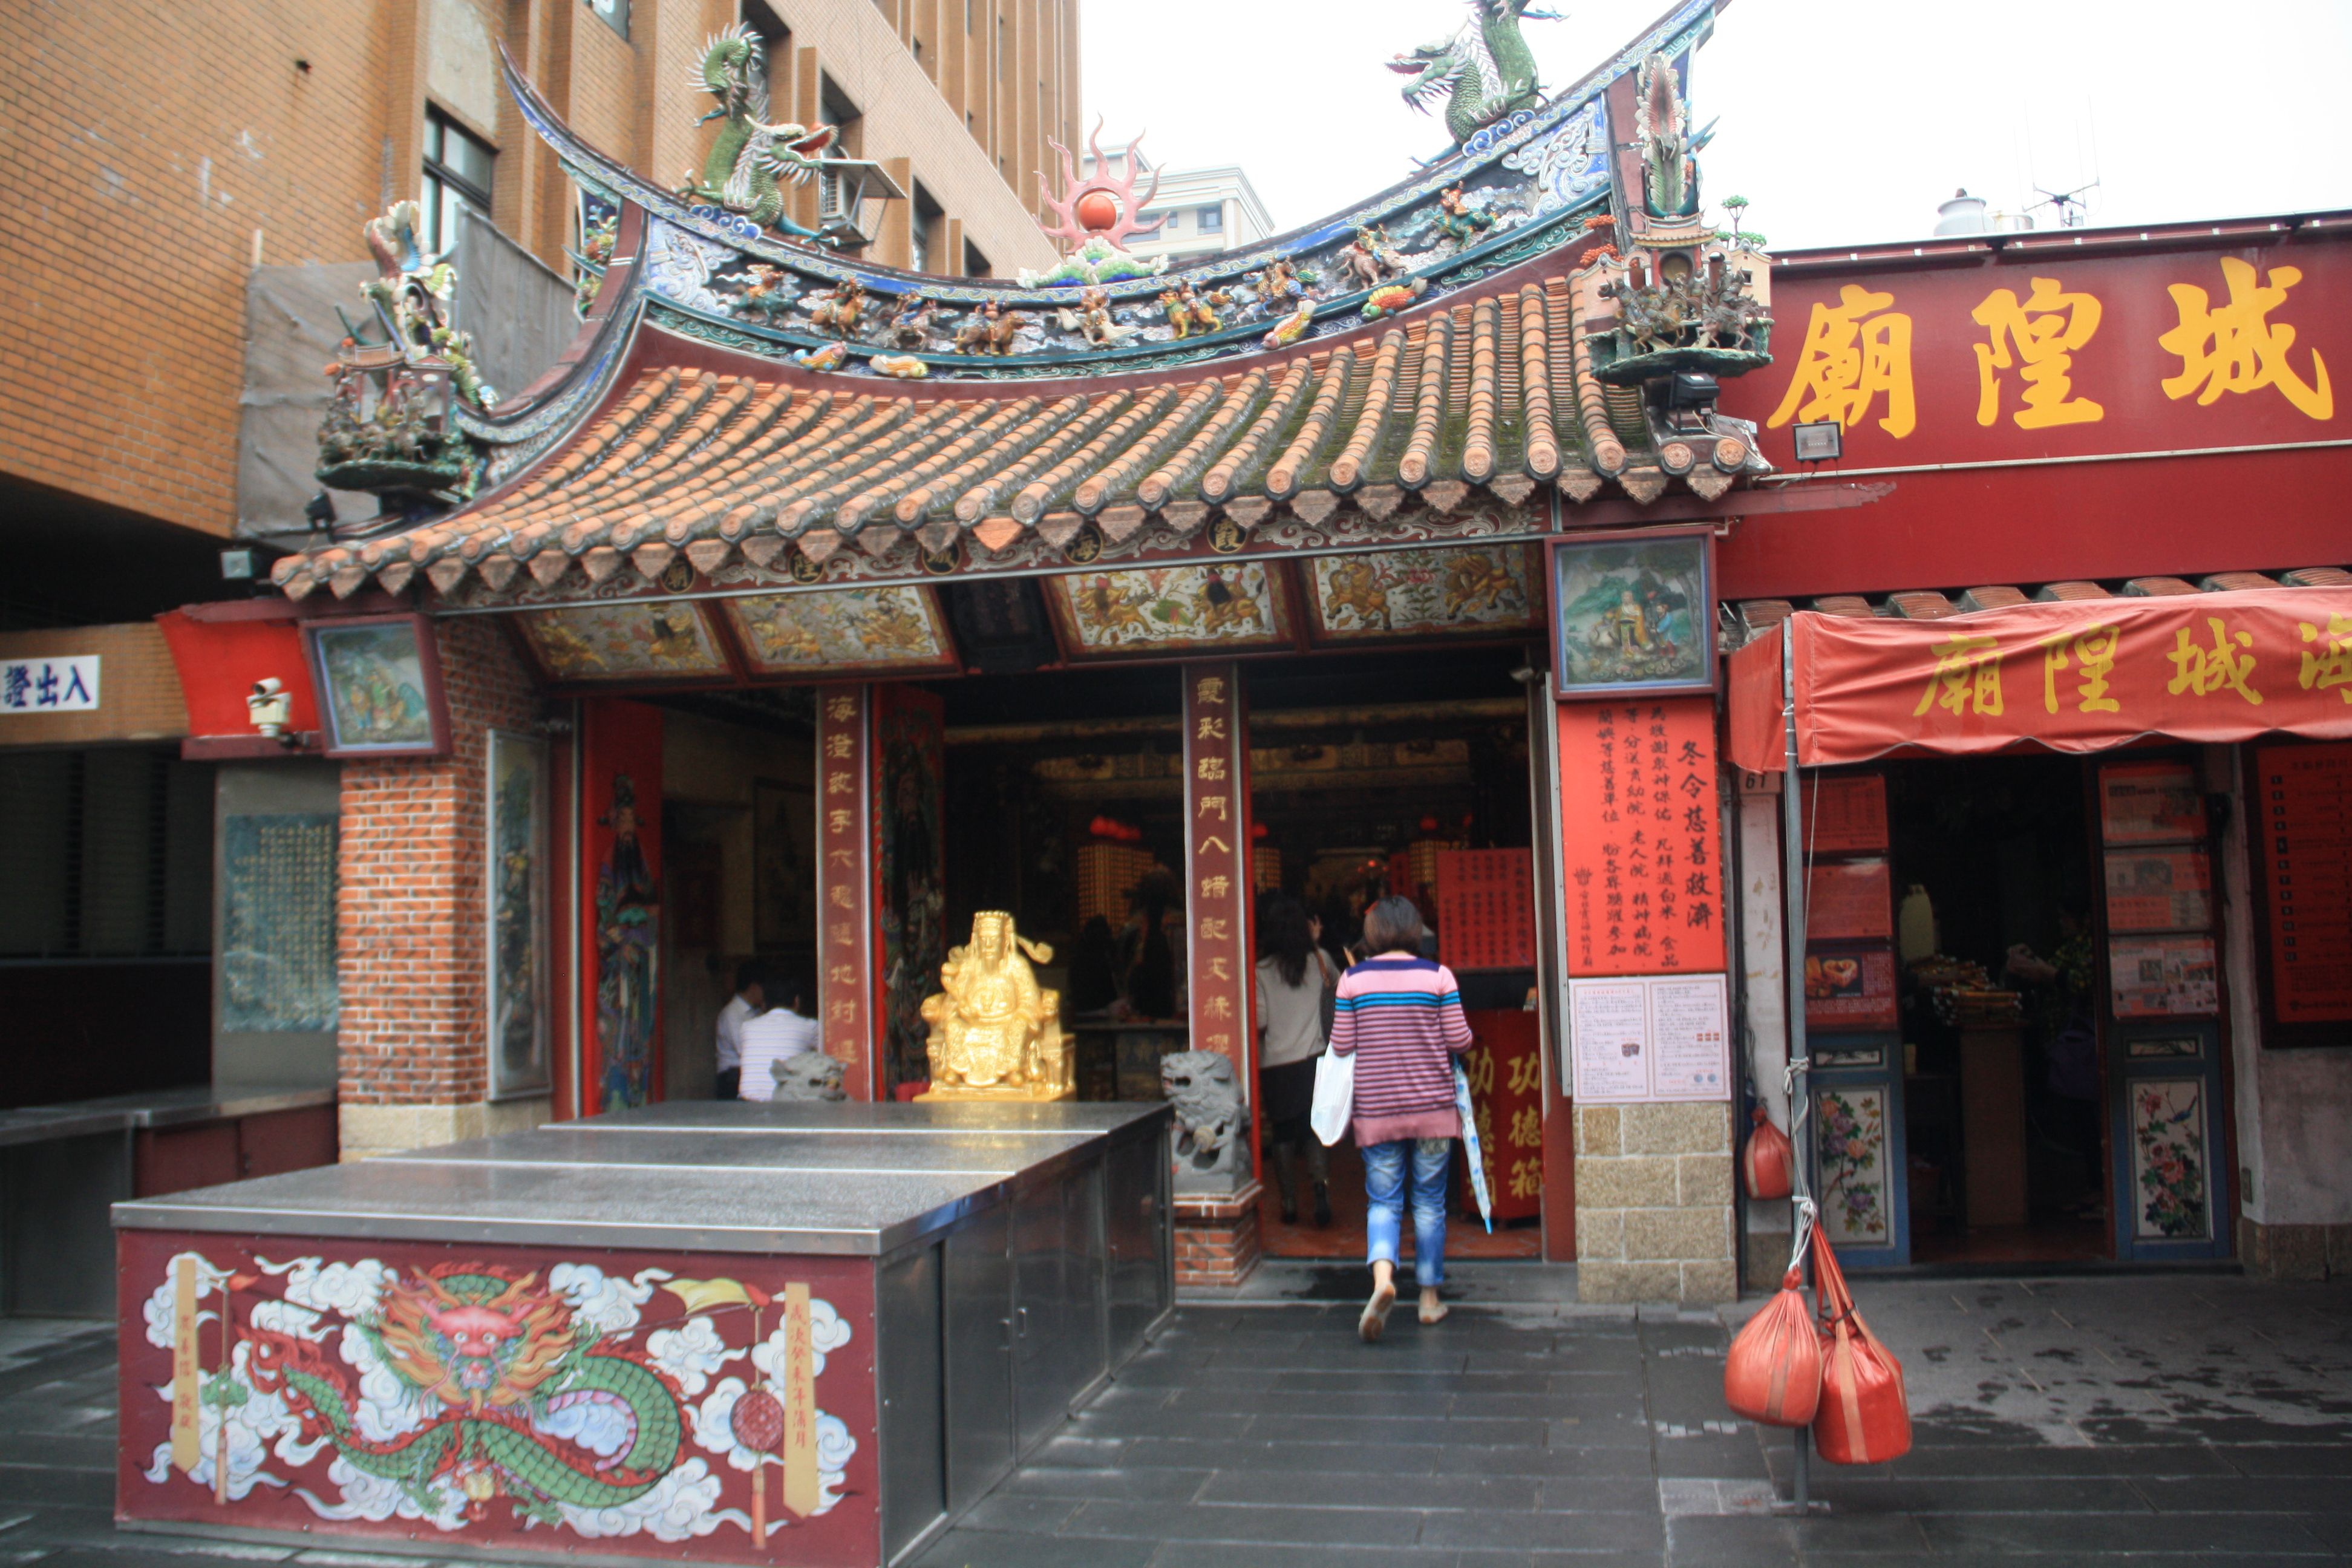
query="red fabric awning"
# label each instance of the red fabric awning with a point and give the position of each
(2076, 676)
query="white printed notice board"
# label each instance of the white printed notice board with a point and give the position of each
(1649, 1038)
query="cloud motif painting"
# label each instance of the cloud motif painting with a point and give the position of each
(493, 1398)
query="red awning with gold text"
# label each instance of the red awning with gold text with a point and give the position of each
(2078, 675)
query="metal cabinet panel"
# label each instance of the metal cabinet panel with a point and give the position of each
(907, 1312)
(1140, 1264)
(56, 1248)
(977, 1285)
(1059, 1297)
(1040, 1263)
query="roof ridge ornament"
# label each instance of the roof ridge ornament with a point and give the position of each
(1485, 72)
(390, 428)
(1101, 205)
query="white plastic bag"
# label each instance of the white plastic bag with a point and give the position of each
(1335, 1096)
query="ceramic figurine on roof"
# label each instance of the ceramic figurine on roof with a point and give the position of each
(1396, 373)
(1098, 215)
(388, 427)
(1686, 304)
(1485, 71)
(1669, 151)
(752, 161)
(596, 253)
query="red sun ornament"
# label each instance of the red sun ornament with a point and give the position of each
(1104, 204)
(757, 1420)
(1098, 210)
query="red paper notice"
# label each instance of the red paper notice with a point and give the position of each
(1486, 910)
(2306, 824)
(1640, 836)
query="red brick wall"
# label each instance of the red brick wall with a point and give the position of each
(410, 913)
(145, 141)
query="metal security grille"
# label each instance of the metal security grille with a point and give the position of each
(104, 853)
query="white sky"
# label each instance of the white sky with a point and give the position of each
(1841, 119)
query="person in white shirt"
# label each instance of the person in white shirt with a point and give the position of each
(746, 1001)
(777, 1032)
(1294, 984)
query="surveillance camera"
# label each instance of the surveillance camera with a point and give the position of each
(269, 707)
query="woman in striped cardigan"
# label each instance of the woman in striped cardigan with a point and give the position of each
(1400, 1016)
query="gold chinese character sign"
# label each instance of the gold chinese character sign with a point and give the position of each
(994, 1032)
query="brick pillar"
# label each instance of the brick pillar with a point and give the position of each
(1640, 836)
(412, 1041)
(1217, 1239)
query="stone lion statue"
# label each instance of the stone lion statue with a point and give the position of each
(1212, 1123)
(810, 1075)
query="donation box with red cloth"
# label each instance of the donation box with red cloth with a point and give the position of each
(1505, 1073)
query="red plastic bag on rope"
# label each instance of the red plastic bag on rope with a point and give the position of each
(1866, 1415)
(1766, 1160)
(1773, 1374)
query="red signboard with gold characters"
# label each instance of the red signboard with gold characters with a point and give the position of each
(2083, 676)
(2051, 352)
(1639, 829)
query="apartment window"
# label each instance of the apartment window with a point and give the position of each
(613, 14)
(458, 170)
(841, 112)
(976, 261)
(1210, 220)
(924, 231)
(776, 43)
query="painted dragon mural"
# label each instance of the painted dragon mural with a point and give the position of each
(752, 161)
(495, 1395)
(1485, 72)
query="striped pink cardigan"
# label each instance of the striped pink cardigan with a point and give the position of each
(1400, 1019)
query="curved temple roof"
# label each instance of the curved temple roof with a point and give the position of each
(683, 432)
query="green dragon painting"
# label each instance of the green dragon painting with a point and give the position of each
(752, 161)
(1485, 71)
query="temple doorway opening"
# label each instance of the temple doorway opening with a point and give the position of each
(1065, 799)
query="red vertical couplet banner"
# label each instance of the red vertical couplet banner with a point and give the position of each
(845, 881)
(1641, 836)
(909, 870)
(620, 868)
(1216, 865)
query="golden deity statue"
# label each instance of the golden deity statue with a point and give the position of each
(995, 1034)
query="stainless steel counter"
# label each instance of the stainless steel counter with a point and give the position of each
(718, 1176)
(160, 1108)
(998, 1261)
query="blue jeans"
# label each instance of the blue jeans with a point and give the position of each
(1384, 1166)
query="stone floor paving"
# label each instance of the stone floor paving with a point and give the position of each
(2193, 1418)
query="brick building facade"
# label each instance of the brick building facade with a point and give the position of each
(163, 153)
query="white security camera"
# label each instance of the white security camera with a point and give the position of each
(270, 706)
